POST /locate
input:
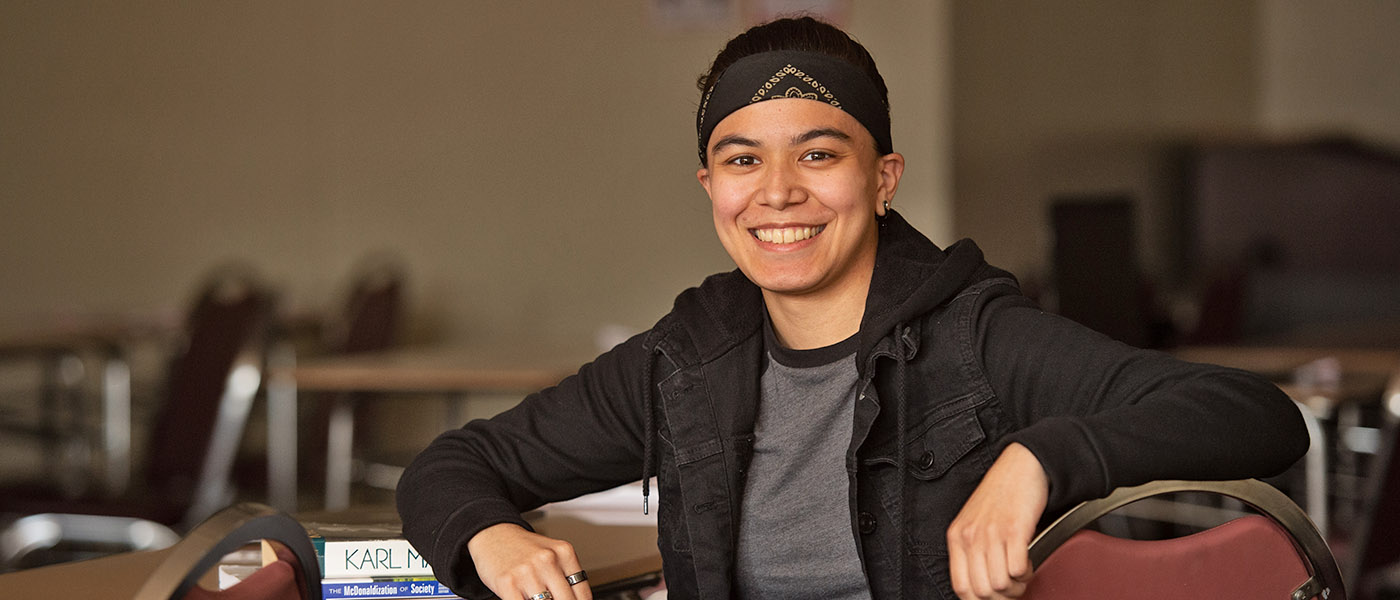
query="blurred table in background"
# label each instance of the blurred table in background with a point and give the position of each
(453, 371)
(1277, 362)
(1335, 386)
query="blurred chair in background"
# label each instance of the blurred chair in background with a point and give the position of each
(1097, 280)
(194, 438)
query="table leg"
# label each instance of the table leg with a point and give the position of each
(1315, 470)
(339, 441)
(282, 430)
(116, 418)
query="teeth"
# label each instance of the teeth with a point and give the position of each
(787, 235)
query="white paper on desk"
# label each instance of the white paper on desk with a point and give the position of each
(618, 506)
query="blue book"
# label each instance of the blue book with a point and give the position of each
(367, 588)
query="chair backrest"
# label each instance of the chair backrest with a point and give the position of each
(1276, 554)
(209, 392)
(1376, 545)
(294, 575)
(373, 309)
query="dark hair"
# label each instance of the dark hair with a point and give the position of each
(801, 33)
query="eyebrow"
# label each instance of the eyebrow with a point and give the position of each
(819, 133)
(733, 140)
(739, 140)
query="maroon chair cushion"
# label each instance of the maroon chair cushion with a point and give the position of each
(1245, 559)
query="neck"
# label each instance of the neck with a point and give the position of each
(811, 321)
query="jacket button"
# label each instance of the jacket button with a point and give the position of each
(866, 522)
(926, 460)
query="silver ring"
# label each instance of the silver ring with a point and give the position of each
(577, 578)
(545, 595)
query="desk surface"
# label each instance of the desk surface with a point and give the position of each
(433, 370)
(1281, 360)
(609, 553)
(119, 576)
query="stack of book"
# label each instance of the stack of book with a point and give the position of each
(362, 554)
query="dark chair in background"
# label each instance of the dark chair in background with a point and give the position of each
(1097, 280)
(1277, 554)
(193, 441)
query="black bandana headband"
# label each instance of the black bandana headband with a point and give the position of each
(794, 74)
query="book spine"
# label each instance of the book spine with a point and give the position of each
(422, 588)
(370, 558)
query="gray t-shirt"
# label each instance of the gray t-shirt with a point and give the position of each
(795, 537)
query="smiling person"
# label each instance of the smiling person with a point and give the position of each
(852, 413)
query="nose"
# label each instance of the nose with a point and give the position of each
(781, 187)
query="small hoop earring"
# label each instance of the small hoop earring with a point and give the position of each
(887, 206)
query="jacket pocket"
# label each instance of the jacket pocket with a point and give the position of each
(943, 444)
(946, 459)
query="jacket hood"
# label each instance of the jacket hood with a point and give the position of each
(912, 276)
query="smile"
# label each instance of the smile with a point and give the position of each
(786, 235)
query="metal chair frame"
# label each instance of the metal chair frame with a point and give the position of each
(1325, 581)
(223, 533)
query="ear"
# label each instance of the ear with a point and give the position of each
(703, 176)
(891, 168)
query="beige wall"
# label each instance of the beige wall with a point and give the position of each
(1331, 67)
(532, 162)
(1076, 97)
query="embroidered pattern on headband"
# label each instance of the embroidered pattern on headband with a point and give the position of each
(794, 91)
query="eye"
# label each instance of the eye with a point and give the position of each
(743, 160)
(816, 155)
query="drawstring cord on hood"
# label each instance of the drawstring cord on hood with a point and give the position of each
(901, 416)
(649, 424)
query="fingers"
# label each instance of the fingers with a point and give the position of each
(987, 541)
(1018, 563)
(571, 566)
(543, 570)
(958, 570)
(986, 562)
(515, 563)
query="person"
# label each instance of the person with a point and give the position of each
(854, 412)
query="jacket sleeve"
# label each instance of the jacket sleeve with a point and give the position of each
(1100, 414)
(583, 435)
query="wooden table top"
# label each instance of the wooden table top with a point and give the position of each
(446, 369)
(117, 576)
(1282, 360)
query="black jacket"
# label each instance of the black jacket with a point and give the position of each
(954, 364)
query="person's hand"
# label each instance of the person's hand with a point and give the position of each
(988, 540)
(517, 563)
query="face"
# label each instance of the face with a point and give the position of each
(795, 186)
